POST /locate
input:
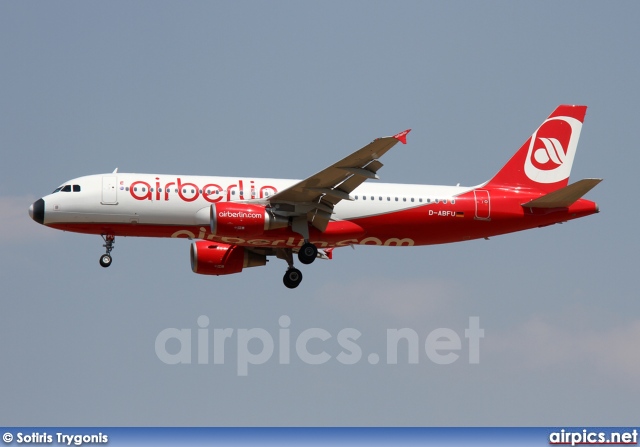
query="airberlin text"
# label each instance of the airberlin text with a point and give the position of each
(240, 215)
(293, 241)
(189, 192)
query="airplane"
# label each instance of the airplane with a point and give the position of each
(237, 222)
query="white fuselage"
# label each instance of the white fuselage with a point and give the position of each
(185, 200)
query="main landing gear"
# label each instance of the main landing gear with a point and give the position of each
(109, 241)
(292, 278)
(306, 255)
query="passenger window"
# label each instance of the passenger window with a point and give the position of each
(412, 199)
(436, 200)
(396, 199)
(364, 197)
(420, 200)
(444, 201)
(404, 199)
(66, 188)
(453, 201)
(388, 199)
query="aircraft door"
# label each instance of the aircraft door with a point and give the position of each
(483, 204)
(109, 190)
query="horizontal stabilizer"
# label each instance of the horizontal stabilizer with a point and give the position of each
(564, 197)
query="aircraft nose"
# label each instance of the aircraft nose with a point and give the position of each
(36, 211)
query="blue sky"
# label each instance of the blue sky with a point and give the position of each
(283, 89)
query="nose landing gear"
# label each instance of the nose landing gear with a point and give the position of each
(109, 241)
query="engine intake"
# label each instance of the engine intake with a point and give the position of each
(230, 219)
(215, 258)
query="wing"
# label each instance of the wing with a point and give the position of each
(316, 196)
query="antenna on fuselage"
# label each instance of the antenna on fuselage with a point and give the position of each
(115, 171)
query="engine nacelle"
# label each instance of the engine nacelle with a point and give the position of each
(230, 219)
(215, 258)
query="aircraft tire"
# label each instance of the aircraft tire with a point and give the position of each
(292, 278)
(308, 253)
(105, 260)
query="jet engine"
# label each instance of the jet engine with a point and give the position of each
(230, 219)
(215, 258)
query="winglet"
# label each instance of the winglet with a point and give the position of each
(402, 136)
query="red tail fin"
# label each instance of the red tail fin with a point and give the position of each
(544, 161)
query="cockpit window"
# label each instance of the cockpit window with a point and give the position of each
(67, 188)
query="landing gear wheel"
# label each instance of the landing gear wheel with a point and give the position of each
(292, 278)
(308, 253)
(109, 241)
(105, 260)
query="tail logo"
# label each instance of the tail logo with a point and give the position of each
(551, 156)
(551, 150)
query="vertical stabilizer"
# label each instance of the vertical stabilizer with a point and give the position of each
(544, 161)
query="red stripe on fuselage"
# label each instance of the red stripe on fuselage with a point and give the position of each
(424, 225)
